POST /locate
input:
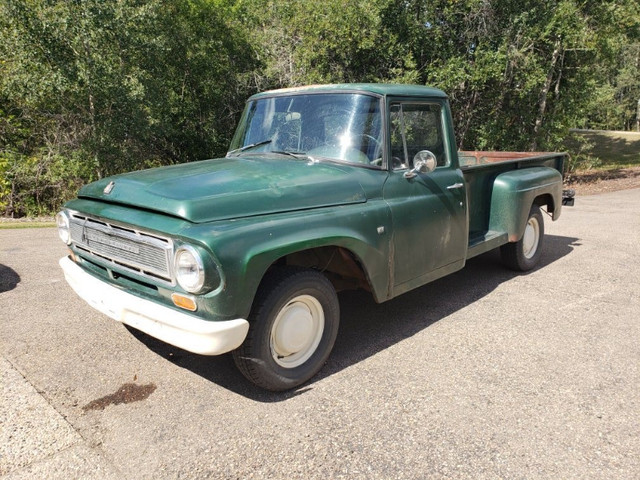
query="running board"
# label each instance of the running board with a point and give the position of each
(479, 244)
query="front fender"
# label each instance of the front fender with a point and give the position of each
(246, 249)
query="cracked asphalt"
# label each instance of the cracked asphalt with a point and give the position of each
(483, 374)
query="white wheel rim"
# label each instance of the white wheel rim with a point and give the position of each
(297, 331)
(531, 238)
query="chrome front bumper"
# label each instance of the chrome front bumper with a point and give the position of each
(176, 328)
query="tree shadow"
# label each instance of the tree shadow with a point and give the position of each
(599, 175)
(612, 147)
(367, 328)
(9, 278)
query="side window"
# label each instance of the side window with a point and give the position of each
(415, 127)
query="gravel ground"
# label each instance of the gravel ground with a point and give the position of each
(482, 374)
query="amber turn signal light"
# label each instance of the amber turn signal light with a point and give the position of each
(184, 301)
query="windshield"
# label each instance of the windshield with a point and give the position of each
(345, 127)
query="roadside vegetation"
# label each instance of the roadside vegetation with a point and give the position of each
(98, 87)
(25, 222)
(609, 150)
(603, 161)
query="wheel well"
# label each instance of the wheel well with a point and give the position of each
(341, 266)
(545, 200)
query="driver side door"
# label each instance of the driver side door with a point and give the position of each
(430, 226)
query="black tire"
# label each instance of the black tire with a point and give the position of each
(286, 314)
(525, 254)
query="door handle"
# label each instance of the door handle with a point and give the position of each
(455, 186)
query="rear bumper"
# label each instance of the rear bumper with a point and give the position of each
(176, 328)
(568, 197)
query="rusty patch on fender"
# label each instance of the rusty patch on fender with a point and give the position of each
(127, 393)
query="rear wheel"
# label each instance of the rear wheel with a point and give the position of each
(525, 254)
(292, 328)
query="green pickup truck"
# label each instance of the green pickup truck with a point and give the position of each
(324, 188)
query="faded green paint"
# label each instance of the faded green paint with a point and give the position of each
(480, 184)
(247, 212)
(513, 194)
(229, 188)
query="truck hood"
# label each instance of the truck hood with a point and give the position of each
(230, 188)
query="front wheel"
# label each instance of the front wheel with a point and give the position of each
(525, 254)
(292, 328)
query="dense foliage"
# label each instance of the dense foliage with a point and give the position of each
(95, 87)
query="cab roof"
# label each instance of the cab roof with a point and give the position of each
(382, 89)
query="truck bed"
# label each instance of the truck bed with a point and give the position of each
(480, 170)
(471, 160)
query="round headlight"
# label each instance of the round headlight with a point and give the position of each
(189, 269)
(63, 227)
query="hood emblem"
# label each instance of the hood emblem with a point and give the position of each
(107, 190)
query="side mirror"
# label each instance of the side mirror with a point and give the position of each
(423, 162)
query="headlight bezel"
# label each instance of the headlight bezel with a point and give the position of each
(63, 225)
(198, 263)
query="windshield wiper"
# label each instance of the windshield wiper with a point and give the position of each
(291, 154)
(248, 147)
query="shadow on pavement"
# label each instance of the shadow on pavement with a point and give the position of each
(9, 279)
(368, 328)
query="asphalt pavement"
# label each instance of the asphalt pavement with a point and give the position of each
(484, 374)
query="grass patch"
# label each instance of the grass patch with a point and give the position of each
(8, 225)
(604, 150)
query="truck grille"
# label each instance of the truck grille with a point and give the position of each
(144, 253)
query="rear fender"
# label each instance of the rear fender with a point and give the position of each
(516, 191)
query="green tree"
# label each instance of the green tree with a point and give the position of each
(94, 87)
(304, 42)
(518, 73)
(97, 87)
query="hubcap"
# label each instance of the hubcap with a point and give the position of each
(531, 238)
(296, 331)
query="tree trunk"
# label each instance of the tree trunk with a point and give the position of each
(542, 102)
(468, 114)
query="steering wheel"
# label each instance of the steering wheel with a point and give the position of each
(369, 139)
(396, 163)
